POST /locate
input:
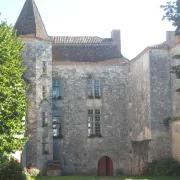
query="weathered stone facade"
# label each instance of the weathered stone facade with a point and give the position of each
(34, 54)
(75, 104)
(134, 99)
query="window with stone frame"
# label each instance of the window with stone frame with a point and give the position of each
(44, 146)
(57, 127)
(44, 92)
(57, 89)
(94, 88)
(44, 118)
(44, 67)
(94, 122)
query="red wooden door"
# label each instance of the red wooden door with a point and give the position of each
(105, 166)
(102, 166)
(109, 164)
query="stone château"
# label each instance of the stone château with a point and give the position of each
(93, 110)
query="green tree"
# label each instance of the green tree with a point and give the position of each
(13, 101)
(172, 13)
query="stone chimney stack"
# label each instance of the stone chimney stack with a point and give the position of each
(171, 38)
(116, 37)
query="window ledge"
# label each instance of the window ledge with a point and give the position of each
(95, 136)
(94, 97)
(57, 98)
(45, 153)
(44, 100)
(45, 125)
(58, 137)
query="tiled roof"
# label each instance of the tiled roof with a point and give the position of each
(30, 23)
(85, 52)
(81, 40)
(163, 45)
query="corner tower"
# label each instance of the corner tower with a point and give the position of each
(37, 56)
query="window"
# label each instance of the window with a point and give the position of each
(44, 67)
(44, 119)
(94, 122)
(56, 127)
(93, 88)
(57, 89)
(43, 92)
(44, 146)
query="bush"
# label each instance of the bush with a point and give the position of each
(166, 166)
(12, 170)
(33, 172)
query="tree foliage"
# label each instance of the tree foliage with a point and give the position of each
(172, 13)
(13, 102)
(176, 70)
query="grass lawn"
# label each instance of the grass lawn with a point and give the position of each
(107, 178)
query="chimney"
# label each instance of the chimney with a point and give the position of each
(171, 38)
(116, 37)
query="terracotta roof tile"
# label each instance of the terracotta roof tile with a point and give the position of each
(81, 40)
(163, 45)
(85, 52)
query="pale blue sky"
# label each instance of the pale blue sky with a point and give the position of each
(139, 20)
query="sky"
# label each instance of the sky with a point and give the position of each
(140, 21)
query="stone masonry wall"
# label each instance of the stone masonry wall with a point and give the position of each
(138, 111)
(175, 83)
(77, 152)
(175, 134)
(34, 53)
(160, 98)
(138, 98)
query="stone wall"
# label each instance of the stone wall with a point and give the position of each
(160, 98)
(138, 110)
(77, 152)
(135, 100)
(34, 53)
(175, 82)
(138, 98)
(175, 135)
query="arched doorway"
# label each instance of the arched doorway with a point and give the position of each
(105, 166)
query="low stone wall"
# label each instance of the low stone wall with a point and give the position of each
(53, 169)
(175, 135)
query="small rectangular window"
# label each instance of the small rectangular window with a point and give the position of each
(43, 92)
(93, 88)
(90, 122)
(44, 67)
(44, 146)
(94, 122)
(57, 127)
(57, 89)
(44, 119)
